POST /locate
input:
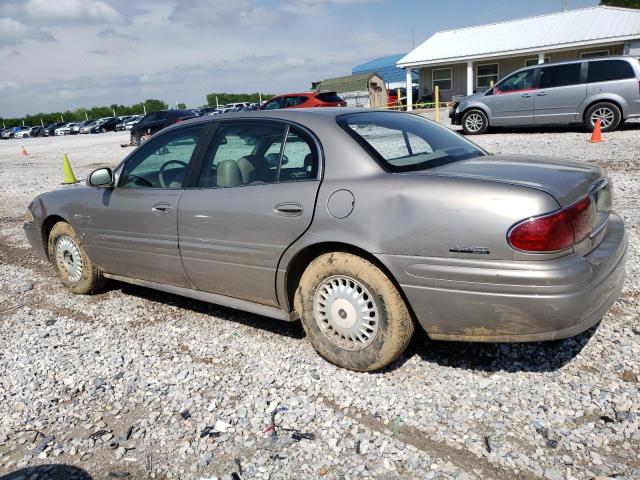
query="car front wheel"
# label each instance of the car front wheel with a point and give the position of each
(475, 122)
(352, 312)
(74, 267)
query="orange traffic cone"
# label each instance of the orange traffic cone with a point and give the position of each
(24, 152)
(596, 136)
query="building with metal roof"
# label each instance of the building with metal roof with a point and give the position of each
(470, 59)
(386, 67)
(366, 89)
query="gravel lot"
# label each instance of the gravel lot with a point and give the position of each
(127, 381)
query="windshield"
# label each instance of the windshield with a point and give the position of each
(404, 142)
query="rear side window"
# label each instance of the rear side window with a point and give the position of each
(404, 143)
(294, 101)
(332, 97)
(560, 75)
(606, 70)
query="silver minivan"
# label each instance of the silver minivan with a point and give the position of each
(580, 91)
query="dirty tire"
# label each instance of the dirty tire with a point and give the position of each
(91, 279)
(608, 111)
(475, 122)
(394, 324)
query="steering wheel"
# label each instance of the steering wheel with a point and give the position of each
(161, 179)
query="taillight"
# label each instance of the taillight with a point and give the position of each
(555, 231)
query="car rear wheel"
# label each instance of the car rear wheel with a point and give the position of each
(475, 122)
(352, 313)
(74, 267)
(608, 113)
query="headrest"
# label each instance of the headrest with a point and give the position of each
(228, 174)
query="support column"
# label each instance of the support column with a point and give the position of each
(540, 57)
(469, 78)
(409, 85)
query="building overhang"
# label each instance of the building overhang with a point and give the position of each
(518, 53)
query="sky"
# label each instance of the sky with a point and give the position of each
(64, 54)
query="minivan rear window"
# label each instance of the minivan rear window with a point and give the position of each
(607, 70)
(402, 142)
(560, 75)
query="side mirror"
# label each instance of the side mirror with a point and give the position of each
(101, 178)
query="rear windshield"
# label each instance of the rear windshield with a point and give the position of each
(403, 142)
(328, 97)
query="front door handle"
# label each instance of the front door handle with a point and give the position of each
(288, 209)
(541, 94)
(161, 208)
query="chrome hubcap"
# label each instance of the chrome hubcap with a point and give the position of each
(69, 258)
(346, 312)
(605, 115)
(474, 122)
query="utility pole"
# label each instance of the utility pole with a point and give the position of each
(565, 5)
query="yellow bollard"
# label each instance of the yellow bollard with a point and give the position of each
(436, 97)
(69, 177)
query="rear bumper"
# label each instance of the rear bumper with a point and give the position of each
(513, 301)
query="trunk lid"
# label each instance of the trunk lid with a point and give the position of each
(566, 180)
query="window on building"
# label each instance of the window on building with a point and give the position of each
(560, 75)
(532, 62)
(443, 78)
(594, 54)
(605, 70)
(486, 75)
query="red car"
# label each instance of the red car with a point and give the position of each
(304, 100)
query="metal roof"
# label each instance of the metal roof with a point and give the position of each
(352, 83)
(574, 28)
(385, 67)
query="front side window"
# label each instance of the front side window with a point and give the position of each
(442, 78)
(405, 143)
(163, 161)
(560, 75)
(486, 75)
(517, 82)
(607, 70)
(149, 118)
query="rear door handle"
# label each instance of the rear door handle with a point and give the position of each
(288, 209)
(541, 94)
(161, 208)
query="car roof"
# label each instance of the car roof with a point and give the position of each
(303, 116)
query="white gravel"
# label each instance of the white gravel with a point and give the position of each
(127, 380)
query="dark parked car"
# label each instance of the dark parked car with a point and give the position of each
(358, 222)
(304, 100)
(50, 129)
(107, 124)
(156, 121)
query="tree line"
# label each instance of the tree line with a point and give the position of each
(224, 98)
(150, 105)
(81, 114)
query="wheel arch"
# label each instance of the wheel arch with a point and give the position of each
(477, 106)
(298, 264)
(592, 102)
(45, 230)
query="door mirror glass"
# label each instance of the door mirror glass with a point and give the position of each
(102, 177)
